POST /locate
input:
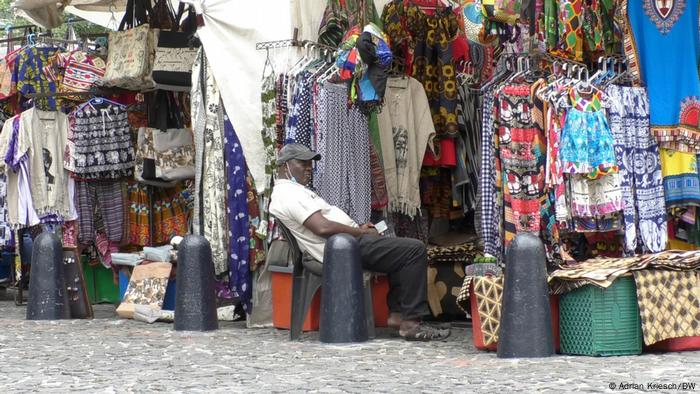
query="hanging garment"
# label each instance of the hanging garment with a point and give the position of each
(108, 198)
(680, 178)
(43, 138)
(424, 42)
(256, 253)
(237, 216)
(488, 201)
(664, 44)
(468, 146)
(5, 229)
(520, 159)
(170, 213)
(637, 155)
(99, 143)
(210, 179)
(406, 129)
(343, 174)
(281, 109)
(299, 121)
(269, 136)
(30, 77)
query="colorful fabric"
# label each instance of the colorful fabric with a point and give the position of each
(8, 87)
(668, 304)
(602, 272)
(343, 137)
(587, 145)
(269, 135)
(666, 34)
(595, 197)
(75, 71)
(237, 215)
(109, 199)
(281, 109)
(171, 213)
(680, 178)
(637, 155)
(432, 64)
(520, 160)
(256, 255)
(299, 122)
(571, 28)
(30, 77)
(99, 143)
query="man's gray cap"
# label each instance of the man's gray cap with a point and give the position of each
(296, 151)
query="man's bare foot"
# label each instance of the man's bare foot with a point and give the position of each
(394, 320)
(415, 330)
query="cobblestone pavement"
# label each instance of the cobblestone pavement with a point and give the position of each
(110, 355)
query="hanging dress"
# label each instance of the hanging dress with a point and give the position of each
(665, 42)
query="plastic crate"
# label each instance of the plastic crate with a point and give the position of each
(99, 282)
(601, 322)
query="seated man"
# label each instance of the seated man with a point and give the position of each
(312, 220)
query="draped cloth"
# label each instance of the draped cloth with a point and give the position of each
(210, 180)
(238, 218)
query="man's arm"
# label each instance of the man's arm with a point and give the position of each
(323, 227)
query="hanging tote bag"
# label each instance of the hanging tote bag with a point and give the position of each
(131, 52)
(175, 55)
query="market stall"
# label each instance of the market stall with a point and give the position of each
(459, 123)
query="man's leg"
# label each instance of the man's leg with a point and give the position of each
(406, 261)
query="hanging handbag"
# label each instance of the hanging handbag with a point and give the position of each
(164, 157)
(131, 52)
(175, 55)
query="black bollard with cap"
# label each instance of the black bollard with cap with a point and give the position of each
(342, 293)
(526, 328)
(195, 301)
(48, 298)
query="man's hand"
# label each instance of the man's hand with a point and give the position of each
(368, 229)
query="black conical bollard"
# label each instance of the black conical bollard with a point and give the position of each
(526, 328)
(195, 301)
(342, 294)
(48, 297)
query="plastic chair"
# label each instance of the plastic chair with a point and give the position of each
(307, 281)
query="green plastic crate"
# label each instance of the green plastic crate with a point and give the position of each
(601, 322)
(100, 285)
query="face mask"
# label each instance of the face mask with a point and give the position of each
(289, 174)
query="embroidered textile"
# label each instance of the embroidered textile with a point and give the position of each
(668, 304)
(237, 215)
(210, 181)
(637, 155)
(99, 143)
(75, 71)
(343, 138)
